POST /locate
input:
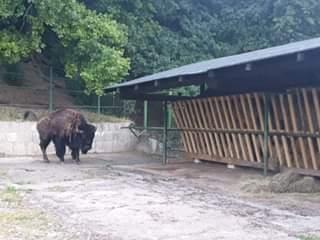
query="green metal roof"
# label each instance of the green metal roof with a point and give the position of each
(225, 62)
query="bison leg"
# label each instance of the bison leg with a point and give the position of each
(43, 145)
(60, 148)
(75, 155)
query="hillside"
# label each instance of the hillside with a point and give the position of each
(32, 94)
(32, 90)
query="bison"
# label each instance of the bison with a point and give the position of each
(65, 127)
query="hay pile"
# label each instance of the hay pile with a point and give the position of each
(290, 182)
(285, 182)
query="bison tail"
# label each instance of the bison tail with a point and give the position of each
(30, 116)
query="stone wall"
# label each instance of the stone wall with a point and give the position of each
(21, 139)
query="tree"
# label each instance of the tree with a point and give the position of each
(87, 43)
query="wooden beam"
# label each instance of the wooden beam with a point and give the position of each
(305, 172)
(151, 97)
(232, 161)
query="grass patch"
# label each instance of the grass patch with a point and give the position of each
(10, 195)
(22, 224)
(309, 238)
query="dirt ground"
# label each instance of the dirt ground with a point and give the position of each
(133, 196)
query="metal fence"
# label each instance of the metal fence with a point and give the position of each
(45, 88)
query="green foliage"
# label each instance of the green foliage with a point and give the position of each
(154, 35)
(165, 34)
(85, 42)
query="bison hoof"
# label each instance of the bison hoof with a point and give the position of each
(46, 161)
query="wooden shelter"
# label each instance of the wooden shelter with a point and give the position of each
(257, 109)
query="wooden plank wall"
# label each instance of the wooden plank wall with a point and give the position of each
(230, 128)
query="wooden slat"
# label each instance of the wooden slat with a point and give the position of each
(186, 119)
(214, 125)
(310, 128)
(184, 135)
(205, 116)
(271, 128)
(302, 123)
(185, 123)
(287, 128)
(255, 127)
(201, 118)
(278, 128)
(233, 146)
(244, 109)
(233, 126)
(242, 138)
(192, 122)
(219, 126)
(317, 114)
(222, 124)
(197, 123)
(293, 118)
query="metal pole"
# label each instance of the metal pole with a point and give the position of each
(145, 114)
(99, 105)
(170, 117)
(51, 90)
(266, 133)
(165, 132)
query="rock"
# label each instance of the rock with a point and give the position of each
(197, 161)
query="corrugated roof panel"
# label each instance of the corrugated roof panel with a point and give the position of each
(218, 63)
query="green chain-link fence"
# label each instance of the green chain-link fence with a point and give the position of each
(45, 89)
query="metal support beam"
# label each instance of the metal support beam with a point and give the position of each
(233, 131)
(266, 133)
(169, 117)
(51, 90)
(145, 114)
(99, 105)
(202, 88)
(165, 132)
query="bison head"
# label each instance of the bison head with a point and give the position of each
(87, 138)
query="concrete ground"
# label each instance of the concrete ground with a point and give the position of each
(133, 196)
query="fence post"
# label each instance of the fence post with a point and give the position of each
(145, 114)
(266, 133)
(99, 104)
(165, 132)
(170, 113)
(51, 90)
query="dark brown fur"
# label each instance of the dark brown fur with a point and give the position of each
(65, 128)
